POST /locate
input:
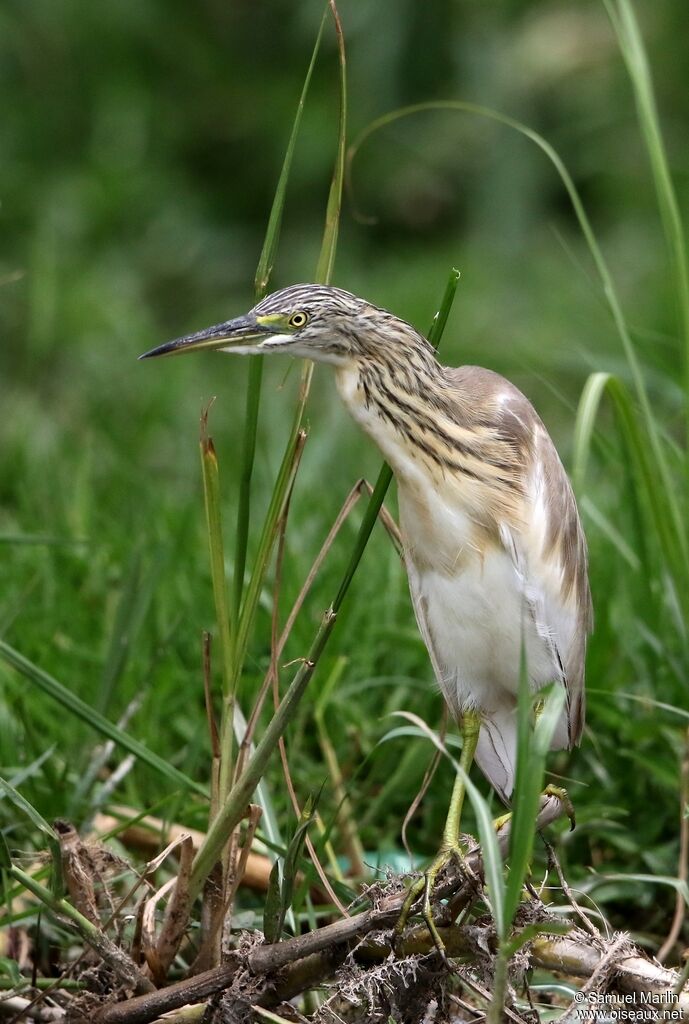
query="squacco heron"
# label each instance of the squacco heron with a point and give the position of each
(493, 545)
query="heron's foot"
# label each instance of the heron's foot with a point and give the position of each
(559, 793)
(563, 796)
(423, 886)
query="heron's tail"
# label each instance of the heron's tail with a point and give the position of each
(496, 751)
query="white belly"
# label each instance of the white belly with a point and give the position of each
(471, 610)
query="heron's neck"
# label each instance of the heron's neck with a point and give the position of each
(434, 432)
(402, 405)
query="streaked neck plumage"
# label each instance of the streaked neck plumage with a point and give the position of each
(434, 432)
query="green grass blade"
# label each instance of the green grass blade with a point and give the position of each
(285, 478)
(533, 746)
(440, 319)
(234, 808)
(531, 931)
(631, 44)
(292, 857)
(266, 260)
(263, 274)
(272, 908)
(70, 702)
(132, 607)
(583, 427)
(290, 458)
(490, 850)
(211, 494)
(224, 617)
(659, 506)
(253, 404)
(326, 260)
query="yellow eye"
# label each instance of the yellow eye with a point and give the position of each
(298, 320)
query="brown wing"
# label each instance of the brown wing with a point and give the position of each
(546, 540)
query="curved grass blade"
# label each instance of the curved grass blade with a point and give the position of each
(659, 506)
(625, 24)
(608, 285)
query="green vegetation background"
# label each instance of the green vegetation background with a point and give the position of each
(139, 149)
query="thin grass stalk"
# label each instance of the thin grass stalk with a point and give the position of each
(274, 675)
(680, 539)
(264, 271)
(276, 508)
(326, 259)
(624, 21)
(323, 271)
(232, 811)
(222, 766)
(211, 492)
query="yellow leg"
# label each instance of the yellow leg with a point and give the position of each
(450, 847)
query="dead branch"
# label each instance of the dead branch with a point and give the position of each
(326, 941)
(632, 973)
(282, 970)
(147, 833)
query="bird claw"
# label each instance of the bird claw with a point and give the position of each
(559, 794)
(424, 886)
(563, 796)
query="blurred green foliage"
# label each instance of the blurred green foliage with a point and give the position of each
(139, 149)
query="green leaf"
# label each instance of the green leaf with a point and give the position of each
(272, 910)
(281, 882)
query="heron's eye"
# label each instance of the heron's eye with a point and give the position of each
(298, 320)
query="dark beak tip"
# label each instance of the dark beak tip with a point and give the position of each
(160, 350)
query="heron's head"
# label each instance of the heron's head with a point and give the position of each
(313, 322)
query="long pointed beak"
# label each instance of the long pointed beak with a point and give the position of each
(243, 330)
